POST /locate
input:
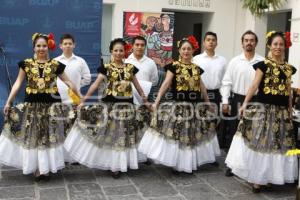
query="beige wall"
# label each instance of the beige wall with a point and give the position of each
(225, 17)
(245, 20)
(220, 15)
(294, 54)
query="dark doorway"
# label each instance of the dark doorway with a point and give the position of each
(280, 21)
(186, 24)
(198, 35)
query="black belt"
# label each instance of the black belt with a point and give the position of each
(214, 91)
(238, 95)
(242, 97)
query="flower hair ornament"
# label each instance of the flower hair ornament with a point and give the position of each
(128, 48)
(192, 40)
(50, 36)
(287, 37)
(288, 42)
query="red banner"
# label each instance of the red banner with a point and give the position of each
(133, 23)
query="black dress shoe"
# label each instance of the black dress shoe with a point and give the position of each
(116, 175)
(45, 177)
(148, 162)
(256, 189)
(228, 172)
(215, 164)
(37, 178)
(175, 172)
(75, 163)
(268, 186)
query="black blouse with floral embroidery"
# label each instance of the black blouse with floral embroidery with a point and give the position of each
(41, 80)
(119, 80)
(273, 88)
(186, 81)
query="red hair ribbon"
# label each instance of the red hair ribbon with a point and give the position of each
(128, 48)
(288, 42)
(51, 41)
(193, 41)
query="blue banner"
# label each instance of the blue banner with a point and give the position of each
(19, 19)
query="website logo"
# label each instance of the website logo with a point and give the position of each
(43, 2)
(14, 21)
(80, 25)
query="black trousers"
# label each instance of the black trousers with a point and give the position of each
(230, 122)
(214, 97)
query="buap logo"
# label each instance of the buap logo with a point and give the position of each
(29, 43)
(86, 46)
(80, 25)
(97, 5)
(78, 46)
(133, 19)
(14, 21)
(11, 62)
(10, 3)
(11, 46)
(77, 5)
(43, 2)
(47, 23)
(96, 46)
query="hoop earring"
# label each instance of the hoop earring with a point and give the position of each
(112, 59)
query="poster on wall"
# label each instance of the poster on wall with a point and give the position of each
(158, 30)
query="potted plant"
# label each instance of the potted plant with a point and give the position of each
(258, 7)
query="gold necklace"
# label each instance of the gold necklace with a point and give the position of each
(118, 66)
(119, 69)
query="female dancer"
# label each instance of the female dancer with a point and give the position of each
(33, 134)
(265, 133)
(105, 134)
(182, 133)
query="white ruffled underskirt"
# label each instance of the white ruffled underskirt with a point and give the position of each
(88, 154)
(260, 168)
(169, 153)
(68, 158)
(31, 160)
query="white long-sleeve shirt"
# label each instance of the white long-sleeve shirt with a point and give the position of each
(239, 76)
(214, 69)
(77, 71)
(147, 68)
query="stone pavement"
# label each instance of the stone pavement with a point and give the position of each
(152, 182)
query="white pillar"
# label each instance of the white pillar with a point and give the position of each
(259, 26)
